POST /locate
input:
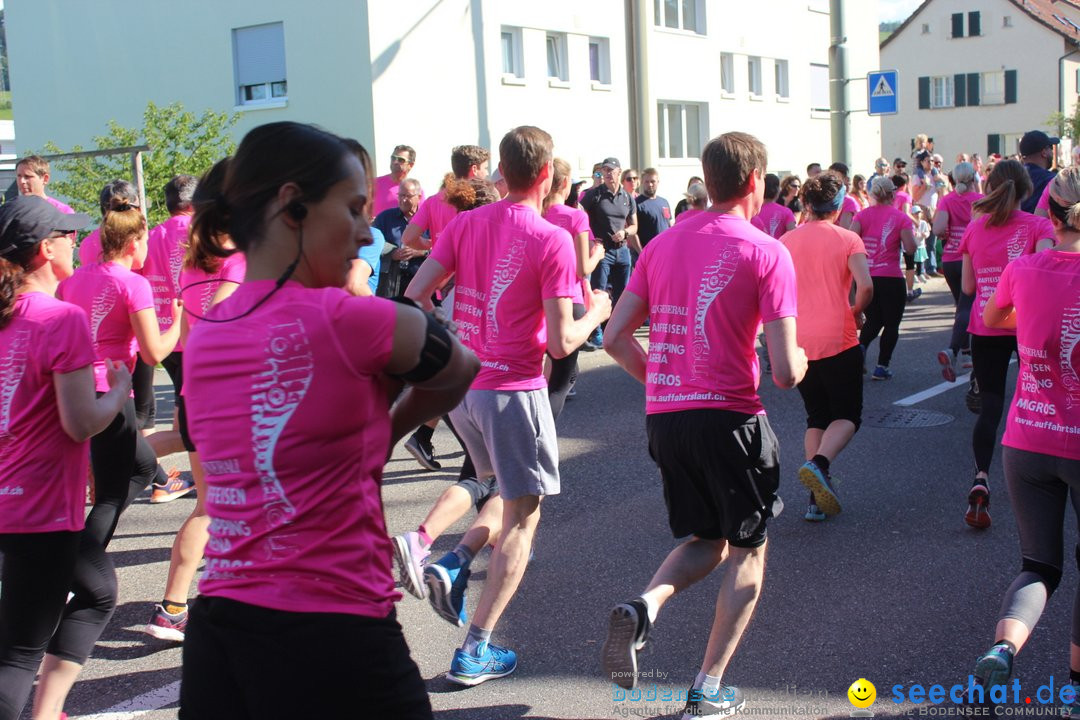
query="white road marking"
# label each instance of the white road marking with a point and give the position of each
(961, 381)
(138, 705)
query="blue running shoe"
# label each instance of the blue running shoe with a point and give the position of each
(993, 668)
(818, 483)
(814, 514)
(881, 373)
(446, 581)
(493, 662)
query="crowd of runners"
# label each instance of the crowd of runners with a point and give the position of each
(294, 380)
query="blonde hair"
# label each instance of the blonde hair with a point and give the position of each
(561, 173)
(883, 190)
(1065, 192)
(123, 225)
(964, 176)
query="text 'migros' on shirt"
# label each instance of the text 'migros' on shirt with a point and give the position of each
(710, 282)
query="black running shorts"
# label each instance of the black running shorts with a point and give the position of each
(720, 471)
(833, 389)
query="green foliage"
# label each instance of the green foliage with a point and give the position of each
(180, 142)
(1065, 125)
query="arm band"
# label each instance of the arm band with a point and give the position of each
(435, 355)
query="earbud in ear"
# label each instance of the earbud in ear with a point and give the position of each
(296, 211)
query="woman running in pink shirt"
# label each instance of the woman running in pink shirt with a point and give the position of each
(1039, 297)
(1001, 233)
(289, 384)
(49, 412)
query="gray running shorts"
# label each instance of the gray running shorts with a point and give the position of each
(511, 435)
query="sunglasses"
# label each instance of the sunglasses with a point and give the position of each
(398, 158)
(631, 177)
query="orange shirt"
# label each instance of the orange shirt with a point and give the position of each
(820, 251)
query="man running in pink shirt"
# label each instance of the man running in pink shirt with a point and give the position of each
(516, 274)
(706, 286)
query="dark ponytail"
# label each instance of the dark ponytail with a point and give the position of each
(1009, 184)
(269, 156)
(200, 254)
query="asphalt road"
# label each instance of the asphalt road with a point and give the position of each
(896, 589)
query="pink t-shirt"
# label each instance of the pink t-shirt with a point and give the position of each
(198, 293)
(773, 219)
(709, 284)
(42, 470)
(1045, 413)
(507, 261)
(292, 423)
(880, 227)
(991, 249)
(434, 215)
(959, 208)
(59, 205)
(687, 214)
(820, 251)
(849, 206)
(386, 193)
(901, 199)
(1044, 199)
(110, 294)
(574, 221)
(164, 259)
(90, 248)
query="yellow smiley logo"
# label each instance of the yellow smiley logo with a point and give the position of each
(862, 693)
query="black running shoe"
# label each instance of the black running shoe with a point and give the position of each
(424, 452)
(973, 400)
(628, 629)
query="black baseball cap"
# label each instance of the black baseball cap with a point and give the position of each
(899, 161)
(29, 219)
(1036, 140)
(611, 162)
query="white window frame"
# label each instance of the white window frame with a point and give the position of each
(691, 140)
(753, 76)
(689, 15)
(942, 92)
(727, 74)
(267, 86)
(992, 88)
(820, 72)
(515, 68)
(558, 69)
(782, 75)
(602, 76)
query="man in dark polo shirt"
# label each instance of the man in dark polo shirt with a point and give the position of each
(654, 213)
(613, 220)
(1037, 152)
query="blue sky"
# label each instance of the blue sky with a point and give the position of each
(889, 10)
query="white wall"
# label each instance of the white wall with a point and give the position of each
(75, 66)
(1027, 47)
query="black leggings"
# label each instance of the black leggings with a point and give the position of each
(883, 315)
(39, 571)
(990, 356)
(142, 383)
(174, 365)
(124, 465)
(960, 338)
(243, 661)
(563, 374)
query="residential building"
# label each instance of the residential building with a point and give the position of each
(975, 75)
(648, 81)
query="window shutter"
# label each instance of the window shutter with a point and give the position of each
(958, 25)
(993, 144)
(974, 23)
(924, 93)
(959, 94)
(260, 54)
(1010, 86)
(973, 80)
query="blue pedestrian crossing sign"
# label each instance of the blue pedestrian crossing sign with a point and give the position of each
(881, 91)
